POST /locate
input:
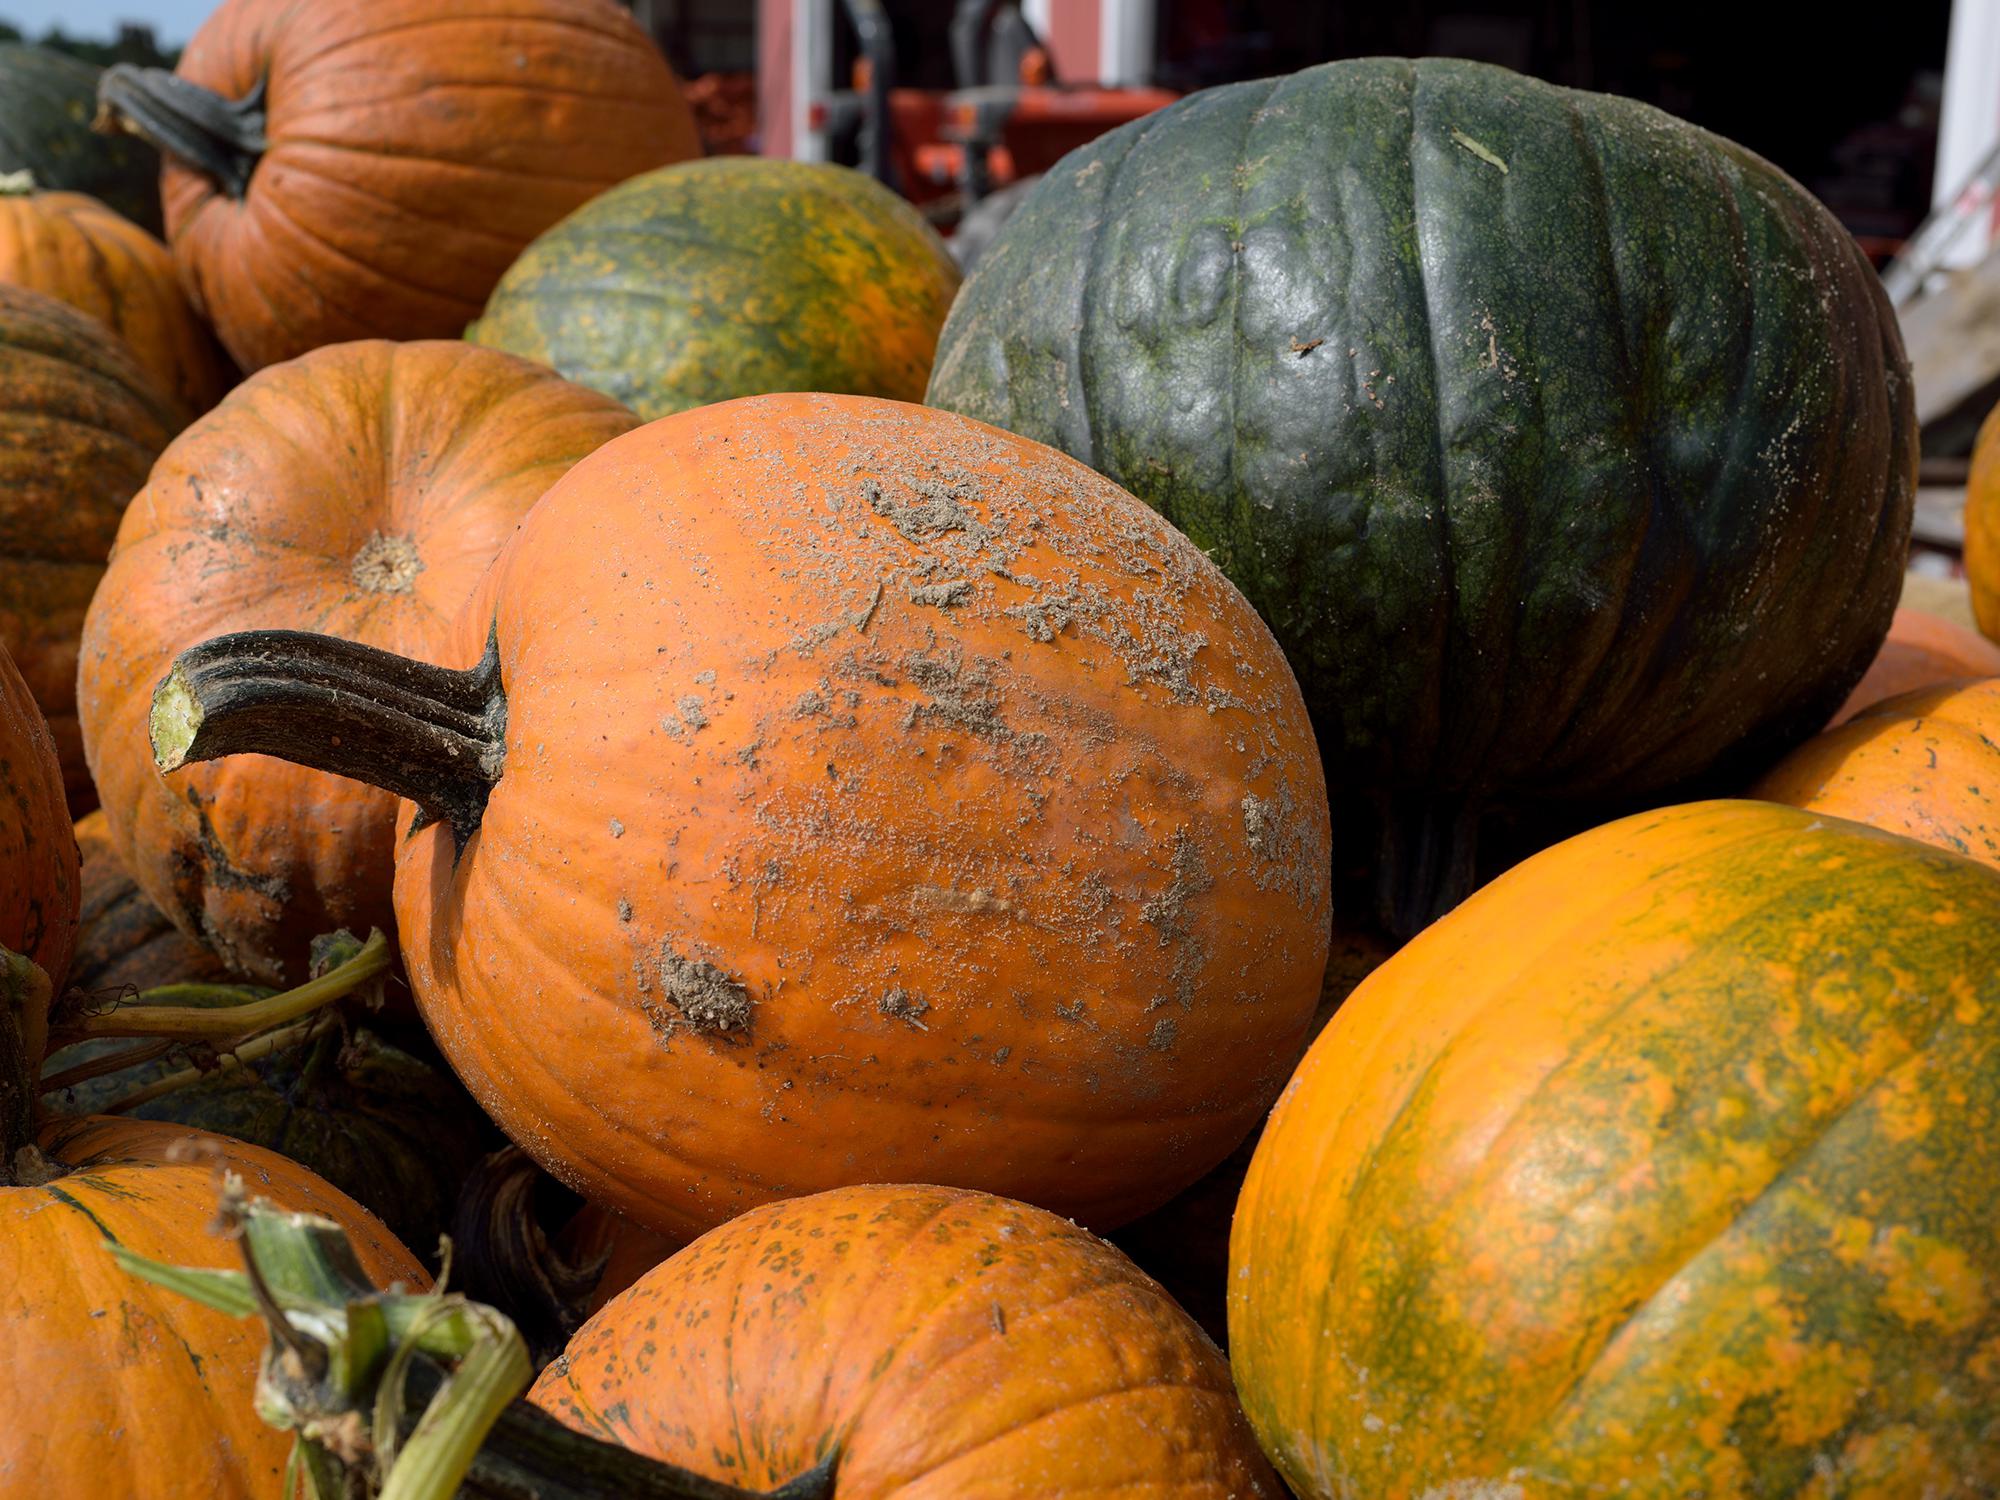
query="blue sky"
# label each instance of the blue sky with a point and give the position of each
(173, 21)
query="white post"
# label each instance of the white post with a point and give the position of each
(812, 74)
(1969, 127)
(1125, 42)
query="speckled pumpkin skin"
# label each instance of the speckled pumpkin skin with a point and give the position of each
(1567, 448)
(731, 277)
(80, 252)
(415, 146)
(38, 859)
(80, 424)
(1660, 1168)
(1923, 651)
(47, 101)
(886, 798)
(360, 491)
(115, 1387)
(950, 1346)
(1924, 764)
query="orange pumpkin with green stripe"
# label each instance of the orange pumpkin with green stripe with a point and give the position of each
(1925, 765)
(1662, 1167)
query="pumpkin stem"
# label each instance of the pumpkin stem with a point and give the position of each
(1429, 847)
(422, 1386)
(505, 1256)
(428, 734)
(222, 137)
(24, 994)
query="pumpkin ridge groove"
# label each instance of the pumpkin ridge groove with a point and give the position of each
(425, 22)
(1741, 1214)
(367, 194)
(1092, 292)
(313, 237)
(382, 153)
(1232, 481)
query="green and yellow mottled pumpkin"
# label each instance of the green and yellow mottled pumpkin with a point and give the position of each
(1662, 1167)
(733, 276)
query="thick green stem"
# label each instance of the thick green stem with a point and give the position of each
(24, 993)
(428, 734)
(213, 1023)
(221, 137)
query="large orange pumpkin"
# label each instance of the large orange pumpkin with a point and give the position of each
(80, 252)
(361, 491)
(1662, 1167)
(1923, 650)
(1925, 764)
(370, 168)
(114, 1387)
(38, 860)
(925, 1342)
(881, 796)
(80, 424)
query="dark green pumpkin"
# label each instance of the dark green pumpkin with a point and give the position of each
(1567, 449)
(47, 101)
(732, 276)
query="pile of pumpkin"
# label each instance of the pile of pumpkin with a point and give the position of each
(519, 656)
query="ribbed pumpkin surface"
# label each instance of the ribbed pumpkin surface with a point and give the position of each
(1566, 448)
(80, 425)
(1925, 765)
(360, 491)
(1982, 528)
(38, 860)
(47, 101)
(731, 277)
(123, 940)
(78, 251)
(1661, 1168)
(112, 1386)
(413, 148)
(949, 1345)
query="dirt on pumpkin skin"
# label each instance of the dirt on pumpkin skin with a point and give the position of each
(959, 780)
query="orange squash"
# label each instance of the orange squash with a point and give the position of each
(923, 1342)
(368, 169)
(881, 796)
(1923, 650)
(1924, 764)
(80, 252)
(1662, 1167)
(38, 860)
(114, 1387)
(80, 424)
(361, 490)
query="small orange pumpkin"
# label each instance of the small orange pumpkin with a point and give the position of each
(1923, 650)
(1982, 527)
(927, 1342)
(1925, 765)
(38, 861)
(80, 252)
(361, 490)
(834, 790)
